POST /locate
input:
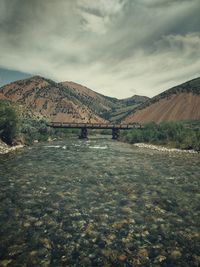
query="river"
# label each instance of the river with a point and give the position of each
(99, 203)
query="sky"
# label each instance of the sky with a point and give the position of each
(116, 47)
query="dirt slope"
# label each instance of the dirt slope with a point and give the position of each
(178, 103)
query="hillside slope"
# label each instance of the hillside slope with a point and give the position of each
(48, 99)
(109, 108)
(179, 103)
(90, 98)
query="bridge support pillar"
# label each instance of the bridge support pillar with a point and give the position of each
(115, 134)
(84, 133)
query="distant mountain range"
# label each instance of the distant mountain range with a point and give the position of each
(72, 102)
(67, 101)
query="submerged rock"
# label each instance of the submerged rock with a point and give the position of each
(5, 263)
(33, 253)
(46, 243)
(26, 224)
(136, 262)
(143, 254)
(39, 223)
(126, 210)
(175, 254)
(160, 258)
(111, 237)
(122, 257)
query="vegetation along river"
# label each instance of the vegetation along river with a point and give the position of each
(99, 203)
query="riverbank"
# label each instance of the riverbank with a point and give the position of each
(5, 149)
(177, 136)
(164, 149)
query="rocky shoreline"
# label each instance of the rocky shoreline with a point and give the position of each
(5, 149)
(164, 149)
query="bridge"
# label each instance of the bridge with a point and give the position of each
(85, 126)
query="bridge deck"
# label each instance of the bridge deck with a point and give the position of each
(94, 125)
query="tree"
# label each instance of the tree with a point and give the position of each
(8, 122)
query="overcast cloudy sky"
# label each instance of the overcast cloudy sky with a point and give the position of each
(116, 47)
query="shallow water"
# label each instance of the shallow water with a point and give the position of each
(99, 203)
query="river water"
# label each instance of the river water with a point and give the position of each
(99, 203)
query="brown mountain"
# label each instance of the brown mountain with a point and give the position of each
(95, 101)
(67, 101)
(48, 99)
(179, 103)
(125, 106)
(109, 108)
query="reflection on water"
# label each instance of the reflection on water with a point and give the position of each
(99, 203)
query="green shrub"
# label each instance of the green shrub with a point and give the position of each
(33, 129)
(8, 122)
(175, 134)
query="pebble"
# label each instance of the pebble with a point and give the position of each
(160, 258)
(46, 243)
(27, 224)
(38, 223)
(122, 257)
(143, 253)
(175, 254)
(126, 210)
(4, 263)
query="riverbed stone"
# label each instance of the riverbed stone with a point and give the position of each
(175, 254)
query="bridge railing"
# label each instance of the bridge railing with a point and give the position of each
(94, 125)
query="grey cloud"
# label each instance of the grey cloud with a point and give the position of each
(165, 3)
(138, 28)
(141, 46)
(92, 11)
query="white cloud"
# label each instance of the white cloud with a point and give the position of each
(118, 49)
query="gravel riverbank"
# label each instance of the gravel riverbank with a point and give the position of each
(164, 149)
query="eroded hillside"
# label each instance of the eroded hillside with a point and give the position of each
(179, 103)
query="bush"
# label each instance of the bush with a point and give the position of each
(8, 122)
(33, 129)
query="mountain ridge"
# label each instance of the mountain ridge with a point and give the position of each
(49, 99)
(72, 102)
(181, 102)
(66, 101)
(109, 108)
